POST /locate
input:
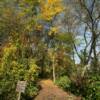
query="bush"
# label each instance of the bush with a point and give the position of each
(93, 88)
(31, 91)
(13, 68)
(64, 82)
(88, 88)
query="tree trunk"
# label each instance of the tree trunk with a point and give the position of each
(54, 76)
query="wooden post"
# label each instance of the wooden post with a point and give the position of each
(20, 88)
(19, 95)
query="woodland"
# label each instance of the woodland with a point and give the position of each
(57, 40)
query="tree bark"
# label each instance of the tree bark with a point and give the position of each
(54, 76)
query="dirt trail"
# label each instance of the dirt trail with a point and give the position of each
(50, 91)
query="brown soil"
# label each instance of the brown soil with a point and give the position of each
(50, 91)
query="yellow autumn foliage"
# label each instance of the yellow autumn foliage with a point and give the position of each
(53, 30)
(9, 49)
(50, 8)
(38, 27)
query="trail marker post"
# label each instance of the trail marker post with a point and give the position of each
(21, 85)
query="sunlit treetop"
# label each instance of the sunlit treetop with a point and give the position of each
(50, 8)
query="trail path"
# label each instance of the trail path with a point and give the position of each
(50, 91)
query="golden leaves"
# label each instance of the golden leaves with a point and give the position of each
(53, 30)
(10, 49)
(38, 27)
(51, 8)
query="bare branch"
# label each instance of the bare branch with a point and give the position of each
(77, 51)
(85, 35)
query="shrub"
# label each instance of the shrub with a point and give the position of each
(64, 82)
(13, 68)
(88, 88)
(31, 91)
(93, 88)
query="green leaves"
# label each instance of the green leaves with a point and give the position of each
(64, 37)
(64, 82)
(14, 68)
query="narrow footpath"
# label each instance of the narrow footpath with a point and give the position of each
(50, 91)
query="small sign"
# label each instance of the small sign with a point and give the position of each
(21, 85)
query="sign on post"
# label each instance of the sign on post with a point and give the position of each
(21, 85)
